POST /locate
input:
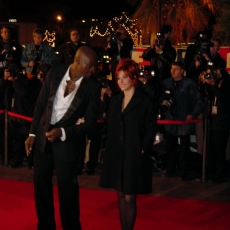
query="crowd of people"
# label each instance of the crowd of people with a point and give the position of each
(72, 102)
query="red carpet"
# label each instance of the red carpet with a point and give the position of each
(99, 211)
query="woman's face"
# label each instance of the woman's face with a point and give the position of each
(125, 82)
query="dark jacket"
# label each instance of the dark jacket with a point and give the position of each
(194, 73)
(160, 63)
(187, 100)
(67, 53)
(221, 121)
(125, 168)
(85, 104)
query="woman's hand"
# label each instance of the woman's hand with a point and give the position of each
(80, 121)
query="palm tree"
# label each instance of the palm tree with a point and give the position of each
(222, 26)
(187, 17)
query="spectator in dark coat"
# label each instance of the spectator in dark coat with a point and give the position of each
(67, 50)
(130, 135)
(218, 89)
(161, 54)
(184, 102)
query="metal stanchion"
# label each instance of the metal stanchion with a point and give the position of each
(205, 149)
(6, 136)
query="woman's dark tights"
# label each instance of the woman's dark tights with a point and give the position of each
(127, 210)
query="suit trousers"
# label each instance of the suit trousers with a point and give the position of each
(68, 190)
(177, 156)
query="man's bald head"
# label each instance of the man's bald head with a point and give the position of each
(85, 62)
(89, 53)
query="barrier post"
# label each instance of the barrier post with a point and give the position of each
(204, 149)
(6, 136)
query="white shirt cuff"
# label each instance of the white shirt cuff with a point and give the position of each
(32, 135)
(63, 137)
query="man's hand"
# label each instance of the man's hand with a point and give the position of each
(54, 134)
(189, 117)
(164, 102)
(159, 49)
(29, 144)
(206, 56)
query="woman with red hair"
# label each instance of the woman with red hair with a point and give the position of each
(131, 129)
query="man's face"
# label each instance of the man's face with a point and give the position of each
(167, 35)
(176, 72)
(5, 33)
(215, 48)
(84, 66)
(75, 36)
(38, 38)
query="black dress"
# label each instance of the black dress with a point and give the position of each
(125, 168)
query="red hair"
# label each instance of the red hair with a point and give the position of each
(130, 69)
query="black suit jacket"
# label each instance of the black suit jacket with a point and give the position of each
(67, 52)
(85, 104)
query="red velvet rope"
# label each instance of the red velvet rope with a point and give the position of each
(19, 116)
(160, 122)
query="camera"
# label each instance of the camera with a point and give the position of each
(203, 45)
(146, 73)
(211, 74)
(115, 37)
(6, 54)
(170, 100)
(159, 40)
(37, 58)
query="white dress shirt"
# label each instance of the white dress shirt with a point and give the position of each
(61, 102)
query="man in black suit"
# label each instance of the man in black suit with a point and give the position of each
(67, 50)
(67, 94)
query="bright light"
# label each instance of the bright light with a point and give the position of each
(59, 17)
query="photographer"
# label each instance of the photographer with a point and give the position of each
(161, 54)
(206, 51)
(67, 50)
(217, 84)
(20, 98)
(37, 53)
(180, 100)
(151, 86)
(119, 47)
(10, 52)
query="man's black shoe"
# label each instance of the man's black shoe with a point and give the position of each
(16, 165)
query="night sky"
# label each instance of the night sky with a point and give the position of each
(33, 11)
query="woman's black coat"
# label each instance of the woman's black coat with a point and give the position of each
(125, 168)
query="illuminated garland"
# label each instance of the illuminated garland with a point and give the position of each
(50, 38)
(136, 35)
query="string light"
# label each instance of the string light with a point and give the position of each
(50, 38)
(123, 20)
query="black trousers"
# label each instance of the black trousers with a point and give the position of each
(177, 155)
(95, 137)
(216, 157)
(68, 191)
